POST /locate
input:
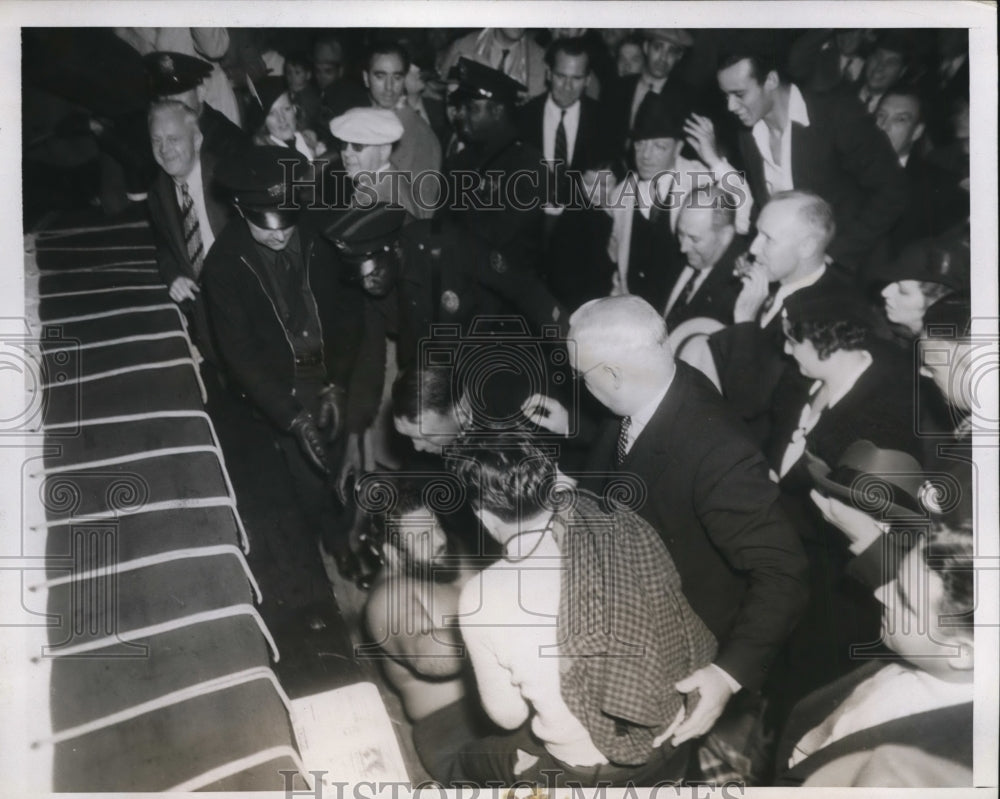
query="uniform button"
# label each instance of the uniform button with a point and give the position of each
(642, 274)
(305, 333)
(420, 246)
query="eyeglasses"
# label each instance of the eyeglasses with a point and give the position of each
(583, 375)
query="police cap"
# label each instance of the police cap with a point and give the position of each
(360, 232)
(479, 82)
(261, 181)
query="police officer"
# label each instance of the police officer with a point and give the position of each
(288, 330)
(430, 273)
(176, 76)
(496, 182)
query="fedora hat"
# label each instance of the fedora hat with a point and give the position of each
(879, 481)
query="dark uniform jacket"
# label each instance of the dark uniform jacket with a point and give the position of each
(505, 212)
(707, 493)
(845, 159)
(249, 332)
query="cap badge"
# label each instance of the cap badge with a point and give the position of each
(450, 301)
(497, 262)
(167, 64)
(277, 190)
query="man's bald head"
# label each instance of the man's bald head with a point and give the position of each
(706, 226)
(619, 346)
(175, 137)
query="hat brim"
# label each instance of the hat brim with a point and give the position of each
(821, 474)
(271, 218)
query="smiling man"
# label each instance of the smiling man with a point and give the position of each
(418, 149)
(186, 216)
(824, 143)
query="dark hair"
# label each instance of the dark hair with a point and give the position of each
(761, 63)
(948, 553)
(829, 337)
(388, 48)
(572, 47)
(299, 58)
(509, 478)
(408, 497)
(632, 38)
(419, 389)
(910, 91)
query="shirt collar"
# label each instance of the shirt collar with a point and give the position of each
(797, 111)
(554, 110)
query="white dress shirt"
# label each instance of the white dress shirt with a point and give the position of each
(197, 191)
(779, 177)
(300, 145)
(550, 121)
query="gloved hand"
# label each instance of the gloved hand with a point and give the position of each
(331, 411)
(304, 429)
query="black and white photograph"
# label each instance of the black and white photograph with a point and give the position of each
(396, 402)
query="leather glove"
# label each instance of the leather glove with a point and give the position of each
(304, 429)
(331, 411)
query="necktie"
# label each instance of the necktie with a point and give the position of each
(688, 291)
(769, 299)
(561, 149)
(192, 231)
(503, 60)
(623, 429)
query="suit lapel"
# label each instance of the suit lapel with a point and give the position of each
(167, 196)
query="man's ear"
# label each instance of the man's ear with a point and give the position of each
(198, 139)
(202, 92)
(771, 82)
(728, 232)
(918, 131)
(365, 76)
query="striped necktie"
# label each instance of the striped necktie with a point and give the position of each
(192, 231)
(623, 429)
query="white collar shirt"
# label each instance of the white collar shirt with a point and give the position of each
(550, 122)
(664, 184)
(779, 177)
(197, 192)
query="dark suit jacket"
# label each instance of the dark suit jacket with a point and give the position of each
(617, 102)
(879, 407)
(221, 136)
(945, 733)
(171, 249)
(751, 361)
(250, 335)
(592, 141)
(843, 157)
(708, 495)
(715, 297)
(934, 203)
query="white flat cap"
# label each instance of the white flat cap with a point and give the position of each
(367, 126)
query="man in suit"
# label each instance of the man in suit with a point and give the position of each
(418, 149)
(935, 201)
(663, 49)
(185, 212)
(175, 76)
(823, 143)
(885, 67)
(908, 723)
(337, 92)
(705, 491)
(568, 129)
(288, 330)
(707, 286)
(789, 257)
(647, 204)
